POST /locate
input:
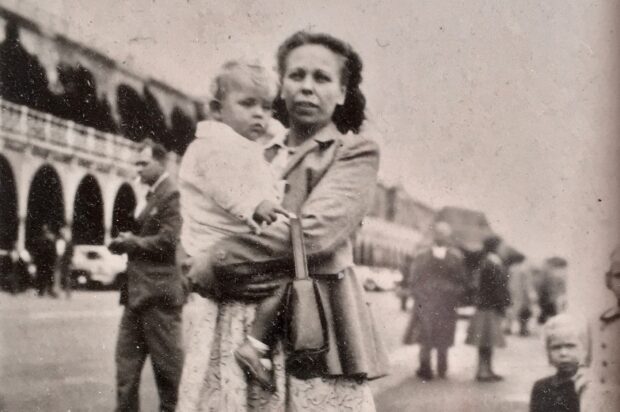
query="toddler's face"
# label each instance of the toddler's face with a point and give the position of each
(565, 352)
(247, 109)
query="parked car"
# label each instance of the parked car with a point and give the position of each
(95, 266)
(378, 279)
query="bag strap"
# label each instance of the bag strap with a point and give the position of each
(299, 250)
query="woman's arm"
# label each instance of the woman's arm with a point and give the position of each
(330, 215)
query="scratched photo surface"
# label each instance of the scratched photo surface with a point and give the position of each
(495, 117)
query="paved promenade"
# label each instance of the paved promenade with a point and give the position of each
(58, 355)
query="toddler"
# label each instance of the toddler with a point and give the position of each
(565, 342)
(228, 188)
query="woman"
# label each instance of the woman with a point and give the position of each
(492, 299)
(331, 174)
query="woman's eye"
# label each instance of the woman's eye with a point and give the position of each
(322, 78)
(247, 103)
(296, 76)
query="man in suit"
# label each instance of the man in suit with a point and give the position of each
(154, 293)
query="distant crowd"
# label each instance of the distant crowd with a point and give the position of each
(507, 293)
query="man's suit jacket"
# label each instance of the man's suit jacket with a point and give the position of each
(152, 274)
(331, 179)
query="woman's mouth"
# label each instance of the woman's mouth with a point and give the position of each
(306, 108)
(306, 105)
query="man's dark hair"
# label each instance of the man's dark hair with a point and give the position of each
(158, 150)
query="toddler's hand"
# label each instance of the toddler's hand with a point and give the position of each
(267, 212)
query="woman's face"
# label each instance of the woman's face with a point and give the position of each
(311, 84)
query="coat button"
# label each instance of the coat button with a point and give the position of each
(605, 363)
(603, 345)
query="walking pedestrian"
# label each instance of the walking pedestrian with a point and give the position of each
(64, 245)
(437, 285)
(552, 288)
(491, 300)
(154, 293)
(521, 293)
(44, 254)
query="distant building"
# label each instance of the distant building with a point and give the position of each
(43, 69)
(394, 228)
(70, 118)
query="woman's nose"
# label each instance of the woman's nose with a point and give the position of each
(307, 85)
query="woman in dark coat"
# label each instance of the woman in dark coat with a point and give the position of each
(437, 283)
(491, 300)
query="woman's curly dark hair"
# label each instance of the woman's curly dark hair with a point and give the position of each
(346, 117)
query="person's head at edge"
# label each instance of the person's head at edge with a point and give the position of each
(150, 162)
(612, 276)
(491, 244)
(320, 78)
(442, 232)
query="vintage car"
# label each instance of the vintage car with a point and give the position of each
(94, 266)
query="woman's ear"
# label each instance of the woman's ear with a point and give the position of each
(215, 109)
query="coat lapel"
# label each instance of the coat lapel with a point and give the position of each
(323, 139)
(299, 154)
(154, 200)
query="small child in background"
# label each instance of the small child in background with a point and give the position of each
(228, 188)
(566, 341)
(600, 383)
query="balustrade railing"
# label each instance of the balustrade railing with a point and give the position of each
(26, 125)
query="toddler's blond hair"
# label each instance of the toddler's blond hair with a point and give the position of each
(230, 72)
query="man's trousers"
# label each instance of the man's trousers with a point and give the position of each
(154, 331)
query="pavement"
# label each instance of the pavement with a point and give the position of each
(58, 355)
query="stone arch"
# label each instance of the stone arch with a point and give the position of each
(45, 203)
(125, 203)
(88, 223)
(80, 102)
(131, 110)
(23, 78)
(9, 222)
(181, 131)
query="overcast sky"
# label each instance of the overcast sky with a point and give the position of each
(501, 106)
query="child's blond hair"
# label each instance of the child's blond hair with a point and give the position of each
(564, 324)
(230, 72)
